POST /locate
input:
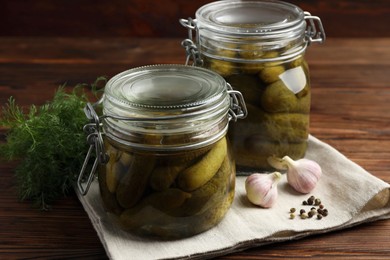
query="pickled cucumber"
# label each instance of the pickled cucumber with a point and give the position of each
(282, 127)
(253, 153)
(163, 177)
(151, 207)
(278, 98)
(211, 217)
(223, 68)
(276, 114)
(251, 51)
(250, 86)
(115, 169)
(228, 50)
(270, 74)
(271, 55)
(171, 212)
(239, 131)
(304, 98)
(251, 68)
(165, 173)
(265, 134)
(286, 127)
(211, 193)
(279, 127)
(135, 180)
(166, 200)
(201, 172)
(114, 156)
(109, 199)
(300, 61)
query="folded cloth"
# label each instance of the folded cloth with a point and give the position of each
(351, 195)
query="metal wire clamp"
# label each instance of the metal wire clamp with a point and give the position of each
(314, 29)
(96, 149)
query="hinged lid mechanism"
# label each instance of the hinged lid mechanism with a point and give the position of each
(225, 27)
(268, 19)
(168, 100)
(160, 108)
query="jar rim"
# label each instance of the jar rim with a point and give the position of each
(248, 18)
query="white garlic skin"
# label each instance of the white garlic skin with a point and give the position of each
(302, 174)
(261, 189)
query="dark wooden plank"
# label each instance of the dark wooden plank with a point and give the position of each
(31, 74)
(148, 18)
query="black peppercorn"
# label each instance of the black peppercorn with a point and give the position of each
(317, 209)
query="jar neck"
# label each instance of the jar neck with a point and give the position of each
(155, 139)
(252, 49)
(166, 129)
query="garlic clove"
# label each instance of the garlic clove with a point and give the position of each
(277, 163)
(302, 174)
(261, 189)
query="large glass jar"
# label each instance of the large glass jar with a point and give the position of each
(258, 47)
(166, 167)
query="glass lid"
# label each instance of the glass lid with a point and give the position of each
(165, 88)
(249, 16)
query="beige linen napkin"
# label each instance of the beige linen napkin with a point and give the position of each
(351, 194)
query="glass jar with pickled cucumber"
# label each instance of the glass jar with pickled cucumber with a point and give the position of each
(165, 166)
(259, 47)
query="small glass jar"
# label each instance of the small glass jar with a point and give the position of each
(258, 47)
(166, 167)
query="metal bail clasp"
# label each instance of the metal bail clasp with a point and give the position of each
(95, 140)
(314, 29)
(237, 108)
(190, 24)
(192, 53)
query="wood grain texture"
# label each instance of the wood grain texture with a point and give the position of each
(350, 104)
(150, 18)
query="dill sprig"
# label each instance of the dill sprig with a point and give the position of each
(49, 142)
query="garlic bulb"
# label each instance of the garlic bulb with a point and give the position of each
(302, 174)
(261, 189)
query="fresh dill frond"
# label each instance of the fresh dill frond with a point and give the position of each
(49, 142)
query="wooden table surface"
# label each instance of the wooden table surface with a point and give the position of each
(350, 111)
